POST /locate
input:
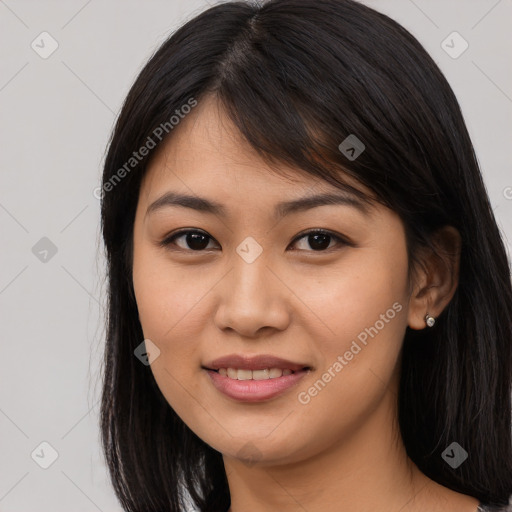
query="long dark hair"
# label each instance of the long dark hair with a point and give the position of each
(297, 77)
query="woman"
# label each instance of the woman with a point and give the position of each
(310, 305)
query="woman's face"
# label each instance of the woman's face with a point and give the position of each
(251, 286)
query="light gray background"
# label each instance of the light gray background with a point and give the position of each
(56, 117)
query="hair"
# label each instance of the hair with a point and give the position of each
(297, 77)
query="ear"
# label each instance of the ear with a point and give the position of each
(436, 277)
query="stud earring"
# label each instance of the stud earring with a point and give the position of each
(430, 320)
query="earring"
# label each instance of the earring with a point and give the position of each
(430, 320)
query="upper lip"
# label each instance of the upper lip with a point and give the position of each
(259, 362)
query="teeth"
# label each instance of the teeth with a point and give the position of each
(261, 374)
(242, 374)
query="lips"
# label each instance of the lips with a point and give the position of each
(256, 378)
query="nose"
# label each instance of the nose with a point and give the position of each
(253, 300)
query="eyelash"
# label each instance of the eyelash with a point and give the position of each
(169, 241)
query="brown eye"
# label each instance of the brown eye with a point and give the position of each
(193, 240)
(319, 240)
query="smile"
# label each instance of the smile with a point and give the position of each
(242, 374)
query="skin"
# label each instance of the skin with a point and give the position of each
(342, 450)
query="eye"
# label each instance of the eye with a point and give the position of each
(318, 239)
(194, 240)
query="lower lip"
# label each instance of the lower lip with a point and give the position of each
(254, 390)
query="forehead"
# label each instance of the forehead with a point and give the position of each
(208, 146)
(206, 152)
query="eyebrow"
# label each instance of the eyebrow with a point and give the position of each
(201, 204)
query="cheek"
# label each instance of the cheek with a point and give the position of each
(366, 314)
(367, 288)
(172, 311)
(168, 296)
(364, 307)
